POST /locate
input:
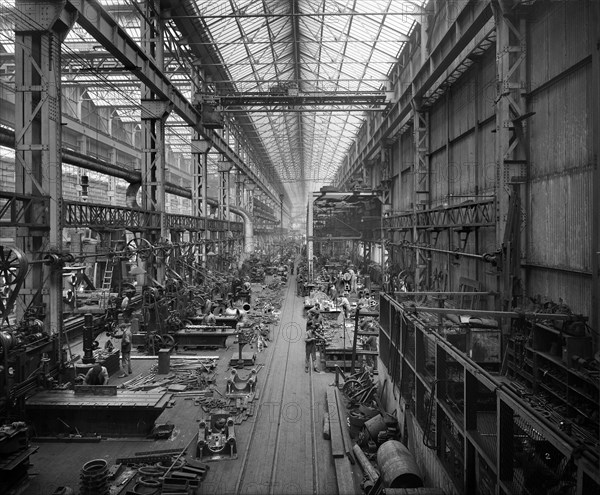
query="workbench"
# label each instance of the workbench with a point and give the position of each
(227, 321)
(126, 414)
(331, 314)
(203, 336)
(110, 360)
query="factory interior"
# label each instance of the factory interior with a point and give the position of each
(193, 192)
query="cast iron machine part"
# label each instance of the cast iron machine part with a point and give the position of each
(88, 339)
(216, 437)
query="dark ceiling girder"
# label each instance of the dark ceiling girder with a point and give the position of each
(262, 99)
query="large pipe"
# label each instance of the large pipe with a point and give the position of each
(248, 226)
(131, 194)
(98, 165)
(398, 466)
(365, 464)
(7, 138)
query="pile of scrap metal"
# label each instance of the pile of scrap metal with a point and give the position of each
(359, 388)
(216, 437)
(194, 374)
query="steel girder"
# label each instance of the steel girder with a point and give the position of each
(224, 168)
(420, 187)
(104, 29)
(511, 146)
(368, 99)
(472, 215)
(39, 30)
(200, 148)
(155, 110)
(103, 217)
(21, 210)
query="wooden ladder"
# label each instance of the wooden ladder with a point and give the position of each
(106, 284)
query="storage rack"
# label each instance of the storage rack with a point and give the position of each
(485, 428)
(546, 362)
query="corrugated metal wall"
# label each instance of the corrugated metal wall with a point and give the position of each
(559, 214)
(557, 207)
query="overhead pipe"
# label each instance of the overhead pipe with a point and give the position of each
(98, 165)
(71, 157)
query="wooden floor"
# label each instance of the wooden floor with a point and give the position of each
(281, 449)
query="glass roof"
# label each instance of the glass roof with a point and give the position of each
(299, 47)
(280, 51)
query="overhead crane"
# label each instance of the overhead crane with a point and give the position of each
(337, 98)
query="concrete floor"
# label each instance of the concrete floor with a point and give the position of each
(281, 449)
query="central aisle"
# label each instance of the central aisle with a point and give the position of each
(283, 450)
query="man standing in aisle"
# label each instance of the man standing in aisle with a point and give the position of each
(344, 303)
(311, 346)
(125, 349)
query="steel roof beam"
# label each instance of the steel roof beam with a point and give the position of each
(105, 30)
(353, 99)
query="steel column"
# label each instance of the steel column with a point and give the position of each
(40, 27)
(224, 167)
(155, 111)
(309, 239)
(420, 186)
(239, 190)
(510, 143)
(200, 149)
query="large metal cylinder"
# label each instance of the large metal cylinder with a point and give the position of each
(398, 466)
(375, 425)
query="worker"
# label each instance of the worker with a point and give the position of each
(333, 292)
(230, 310)
(371, 345)
(96, 375)
(363, 301)
(125, 349)
(353, 279)
(314, 313)
(125, 302)
(311, 346)
(344, 303)
(209, 319)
